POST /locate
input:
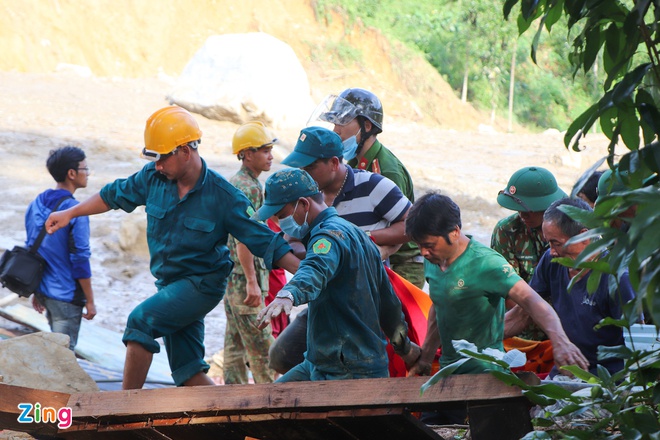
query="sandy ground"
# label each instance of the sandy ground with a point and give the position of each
(106, 117)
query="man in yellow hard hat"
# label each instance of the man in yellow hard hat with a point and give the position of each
(191, 210)
(247, 285)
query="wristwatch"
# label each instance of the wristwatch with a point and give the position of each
(285, 294)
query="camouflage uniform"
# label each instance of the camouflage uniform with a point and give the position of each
(243, 341)
(522, 248)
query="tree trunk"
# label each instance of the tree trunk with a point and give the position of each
(512, 82)
(464, 90)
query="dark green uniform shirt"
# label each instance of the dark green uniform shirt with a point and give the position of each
(188, 236)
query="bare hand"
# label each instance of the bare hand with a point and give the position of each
(273, 310)
(387, 250)
(253, 294)
(57, 220)
(568, 354)
(36, 304)
(412, 356)
(90, 311)
(421, 368)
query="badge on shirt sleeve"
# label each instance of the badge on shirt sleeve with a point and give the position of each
(322, 246)
(250, 211)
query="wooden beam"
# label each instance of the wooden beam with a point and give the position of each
(264, 398)
(11, 396)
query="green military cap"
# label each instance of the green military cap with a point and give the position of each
(530, 189)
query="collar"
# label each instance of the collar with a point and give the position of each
(248, 171)
(369, 156)
(323, 215)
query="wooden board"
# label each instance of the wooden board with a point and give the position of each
(260, 398)
(95, 343)
(369, 409)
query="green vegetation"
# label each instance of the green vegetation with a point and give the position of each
(473, 49)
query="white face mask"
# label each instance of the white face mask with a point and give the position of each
(290, 227)
(350, 147)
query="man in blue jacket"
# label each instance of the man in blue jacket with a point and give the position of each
(66, 286)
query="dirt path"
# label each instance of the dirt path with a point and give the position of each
(106, 117)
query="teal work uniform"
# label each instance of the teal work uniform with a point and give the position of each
(469, 301)
(407, 261)
(351, 304)
(187, 240)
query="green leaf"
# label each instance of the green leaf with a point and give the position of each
(568, 409)
(509, 378)
(593, 281)
(553, 14)
(624, 89)
(581, 374)
(580, 126)
(538, 399)
(552, 391)
(508, 5)
(629, 127)
(529, 9)
(443, 373)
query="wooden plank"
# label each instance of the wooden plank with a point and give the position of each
(95, 343)
(374, 424)
(11, 396)
(262, 398)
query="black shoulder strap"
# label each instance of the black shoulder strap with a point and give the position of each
(42, 233)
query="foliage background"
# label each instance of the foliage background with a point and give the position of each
(463, 38)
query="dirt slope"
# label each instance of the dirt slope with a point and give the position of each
(138, 39)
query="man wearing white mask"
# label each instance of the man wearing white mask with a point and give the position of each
(357, 116)
(352, 306)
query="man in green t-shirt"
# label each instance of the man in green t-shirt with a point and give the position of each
(468, 283)
(357, 117)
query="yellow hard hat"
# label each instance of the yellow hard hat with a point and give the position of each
(167, 129)
(252, 134)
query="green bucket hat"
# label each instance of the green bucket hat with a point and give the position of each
(530, 189)
(284, 187)
(314, 143)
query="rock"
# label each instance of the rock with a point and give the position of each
(132, 233)
(43, 361)
(245, 77)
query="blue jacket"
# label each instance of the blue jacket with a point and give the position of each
(66, 251)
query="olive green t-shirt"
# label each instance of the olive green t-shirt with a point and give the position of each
(469, 299)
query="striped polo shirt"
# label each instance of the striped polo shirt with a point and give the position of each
(370, 201)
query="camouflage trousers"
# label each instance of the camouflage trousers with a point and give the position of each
(244, 342)
(413, 272)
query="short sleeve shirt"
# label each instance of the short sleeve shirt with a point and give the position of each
(469, 298)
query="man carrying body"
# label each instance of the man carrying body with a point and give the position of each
(191, 210)
(357, 116)
(370, 201)
(351, 301)
(468, 283)
(578, 310)
(248, 283)
(66, 286)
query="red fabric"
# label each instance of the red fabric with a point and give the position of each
(416, 305)
(276, 280)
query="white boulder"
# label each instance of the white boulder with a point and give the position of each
(245, 77)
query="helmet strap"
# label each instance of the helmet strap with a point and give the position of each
(364, 135)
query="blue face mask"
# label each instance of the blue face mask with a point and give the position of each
(290, 227)
(350, 147)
